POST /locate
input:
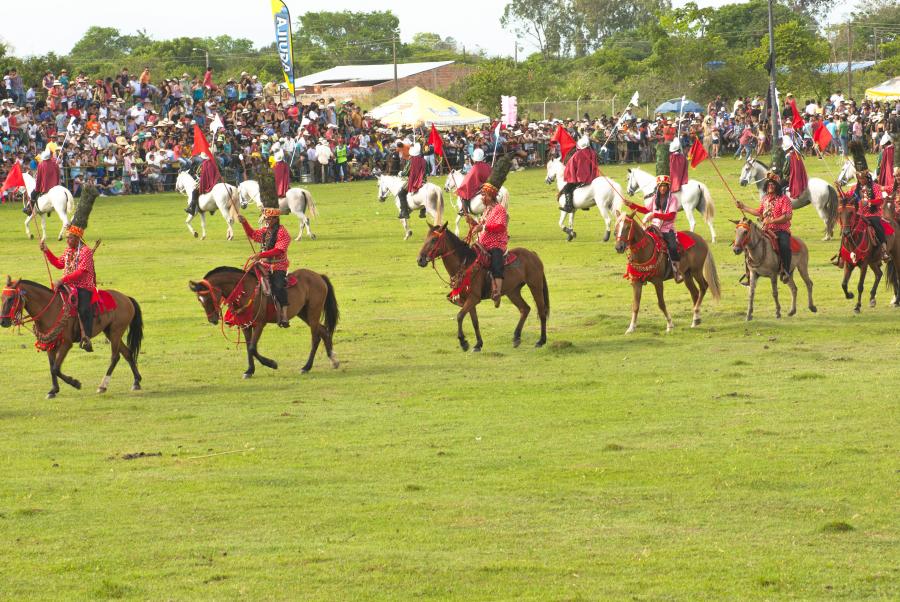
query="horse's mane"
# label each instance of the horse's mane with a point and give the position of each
(223, 269)
(37, 285)
(766, 167)
(463, 251)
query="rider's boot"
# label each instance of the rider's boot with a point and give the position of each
(87, 326)
(496, 291)
(570, 202)
(404, 205)
(195, 203)
(29, 203)
(285, 319)
(885, 256)
(422, 213)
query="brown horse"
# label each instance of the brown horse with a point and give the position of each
(55, 328)
(763, 260)
(860, 250)
(310, 298)
(458, 258)
(648, 263)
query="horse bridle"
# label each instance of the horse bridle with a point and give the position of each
(215, 297)
(18, 304)
(742, 226)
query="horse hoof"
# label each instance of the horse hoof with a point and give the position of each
(135, 387)
(196, 235)
(539, 344)
(312, 236)
(570, 236)
(76, 384)
(247, 375)
(273, 365)
(305, 370)
(476, 349)
(408, 234)
(629, 330)
(335, 364)
(59, 238)
(749, 318)
(792, 312)
(848, 295)
(101, 389)
(778, 315)
(695, 323)
(464, 345)
(516, 343)
(31, 236)
(51, 395)
(856, 310)
(872, 303)
(606, 236)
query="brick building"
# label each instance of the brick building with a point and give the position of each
(359, 81)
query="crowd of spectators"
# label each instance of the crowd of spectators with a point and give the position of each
(132, 133)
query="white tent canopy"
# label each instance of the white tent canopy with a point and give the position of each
(889, 90)
(420, 107)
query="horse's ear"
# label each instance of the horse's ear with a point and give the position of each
(8, 280)
(193, 286)
(444, 227)
(734, 221)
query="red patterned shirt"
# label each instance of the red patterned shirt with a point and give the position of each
(773, 207)
(495, 234)
(77, 266)
(276, 257)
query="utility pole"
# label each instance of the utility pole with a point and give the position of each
(516, 53)
(849, 61)
(394, 52)
(773, 113)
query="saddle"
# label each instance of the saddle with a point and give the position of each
(245, 315)
(867, 243)
(648, 270)
(461, 283)
(773, 240)
(102, 302)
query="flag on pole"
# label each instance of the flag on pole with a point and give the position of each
(435, 141)
(509, 108)
(216, 124)
(564, 140)
(200, 143)
(496, 142)
(284, 43)
(14, 179)
(822, 136)
(698, 153)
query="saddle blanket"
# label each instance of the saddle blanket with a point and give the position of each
(101, 301)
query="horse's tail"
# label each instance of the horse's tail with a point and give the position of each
(830, 210)
(70, 202)
(439, 213)
(546, 294)
(310, 204)
(712, 276)
(894, 278)
(332, 313)
(135, 331)
(709, 209)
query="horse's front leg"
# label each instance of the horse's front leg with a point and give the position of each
(300, 221)
(248, 338)
(689, 214)
(404, 223)
(845, 282)
(793, 288)
(751, 294)
(473, 315)
(62, 230)
(607, 219)
(774, 280)
(637, 289)
(458, 218)
(187, 222)
(61, 353)
(229, 221)
(51, 359)
(27, 229)
(878, 273)
(661, 301)
(860, 287)
(468, 304)
(202, 225)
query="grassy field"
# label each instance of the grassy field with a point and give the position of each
(734, 461)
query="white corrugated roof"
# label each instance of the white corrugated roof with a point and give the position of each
(348, 73)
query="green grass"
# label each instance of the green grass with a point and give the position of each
(734, 461)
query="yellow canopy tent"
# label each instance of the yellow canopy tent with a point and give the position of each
(417, 107)
(889, 90)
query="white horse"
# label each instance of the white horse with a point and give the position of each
(820, 193)
(454, 180)
(693, 196)
(57, 199)
(223, 197)
(429, 199)
(603, 192)
(297, 201)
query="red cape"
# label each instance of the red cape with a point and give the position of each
(47, 175)
(474, 180)
(209, 176)
(678, 170)
(886, 169)
(799, 180)
(282, 178)
(582, 167)
(416, 174)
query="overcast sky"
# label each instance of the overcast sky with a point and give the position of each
(61, 23)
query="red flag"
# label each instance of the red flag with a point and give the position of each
(200, 143)
(698, 153)
(14, 178)
(435, 142)
(822, 136)
(797, 120)
(564, 140)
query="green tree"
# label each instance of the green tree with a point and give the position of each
(539, 21)
(332, 38)
(801, 53)
(741, 25)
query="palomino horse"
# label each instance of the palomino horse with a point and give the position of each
(57, 199)
(603, 192)
(648, 263)
(763, 260)
(223, 197)
(459, 259)
(860, 250)
(693, 196)
(454, 181)
(820, 193)
(429, 200)
(297, 201)
(249, 308)
(56, 328)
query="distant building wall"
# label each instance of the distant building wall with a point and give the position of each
(434, 80)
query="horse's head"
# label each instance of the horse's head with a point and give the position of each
(632, 185)
(452, 184)
(624, 231)
(847, 215)
(11, 305)
(848, 172)
(210, 298)
(383, 188)
(552, 169)
(746, 172)
(743, 230)
(433, 245)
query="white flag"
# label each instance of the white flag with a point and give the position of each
(216, 124)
